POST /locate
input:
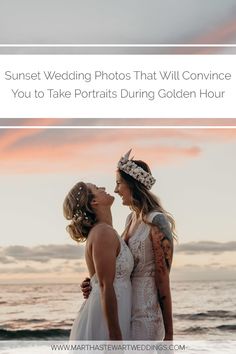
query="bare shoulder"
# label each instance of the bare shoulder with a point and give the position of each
(103, 238)
(160, 221)
(103, 232)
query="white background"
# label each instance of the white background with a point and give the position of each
(117, 108)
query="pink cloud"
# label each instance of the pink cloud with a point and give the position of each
(222, 34)
(73, 150)
(219, 35)
(11, 136)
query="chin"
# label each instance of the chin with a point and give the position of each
(112, 199)
(124, 203)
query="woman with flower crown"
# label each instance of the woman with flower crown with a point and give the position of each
(149, 234)
(106, 314)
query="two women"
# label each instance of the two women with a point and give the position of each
(148, 234)
(106, 314)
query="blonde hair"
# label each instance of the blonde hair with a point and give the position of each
(142, 200)
(77, 208)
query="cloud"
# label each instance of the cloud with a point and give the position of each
(42, 253)
(67, 253)
(73, 150)
(221, 34)
(52, 151)
(27, 269)
(6, 260)
(206, 247)
(63, 262)
(11, 137)
(116, 122)
(156, 23)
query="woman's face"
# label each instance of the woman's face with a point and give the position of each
(100, 195)
(123, 190)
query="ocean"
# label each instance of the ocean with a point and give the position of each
(201, 310)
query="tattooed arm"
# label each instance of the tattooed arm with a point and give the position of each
(162, 241)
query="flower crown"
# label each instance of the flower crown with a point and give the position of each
(135, 171)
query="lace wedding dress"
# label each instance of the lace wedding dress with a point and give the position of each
(146, 319)
(90, 323)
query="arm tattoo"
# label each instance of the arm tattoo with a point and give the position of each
(162, 223)
(162, 242)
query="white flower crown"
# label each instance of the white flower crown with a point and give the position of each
(135, 171)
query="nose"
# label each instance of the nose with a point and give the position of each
(116, 190)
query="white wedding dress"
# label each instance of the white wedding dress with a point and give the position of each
(146, 321)
(90, 323)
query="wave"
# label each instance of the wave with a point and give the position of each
(63, 334)
(42, 321)
(34, 320)
(197, 329)
(227, 327)
(44, 334)
(206, 315)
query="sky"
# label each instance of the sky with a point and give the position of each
(195, 168)
(111, 21)
(195, 171)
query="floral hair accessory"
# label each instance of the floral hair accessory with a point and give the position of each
(135, 171)
(78, 213)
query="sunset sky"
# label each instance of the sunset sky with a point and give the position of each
(195, 168)
(195, 171)
(109, 21)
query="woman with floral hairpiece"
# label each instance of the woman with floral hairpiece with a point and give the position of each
(149, 234)
(106, 314)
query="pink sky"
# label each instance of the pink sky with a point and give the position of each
(45, 151)
(195, 173)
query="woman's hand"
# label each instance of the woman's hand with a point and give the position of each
(86, 288)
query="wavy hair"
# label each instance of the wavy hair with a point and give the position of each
(142, 200)
(77, 208)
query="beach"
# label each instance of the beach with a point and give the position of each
(202, 310)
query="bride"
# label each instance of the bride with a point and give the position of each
(149, 233)
(106, 314)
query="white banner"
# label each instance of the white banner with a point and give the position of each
(126, 347)
(117, 86)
